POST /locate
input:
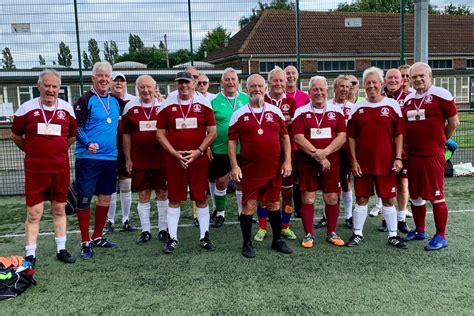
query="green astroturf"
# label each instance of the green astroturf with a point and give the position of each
(372, 278)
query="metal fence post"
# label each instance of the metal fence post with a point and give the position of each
(81, 80)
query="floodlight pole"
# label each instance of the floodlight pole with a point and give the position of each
(402, 32)
(81, 80)
(421, 30)
(298, 43)
(190, 32)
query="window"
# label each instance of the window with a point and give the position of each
(336, 65)
(24, 94)
(441, 63)
(470, 63)
(267, 66)
(386, 64)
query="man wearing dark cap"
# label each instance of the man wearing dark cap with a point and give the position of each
(186, 127)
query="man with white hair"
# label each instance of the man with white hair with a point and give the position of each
(229, 100)
(44, 128)
(265, 156)
(430, 118)
(145, 156)
(98, 114)
(375, 133)
(320, 131)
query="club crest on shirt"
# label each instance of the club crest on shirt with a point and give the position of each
(331, 115)
(61, 115)
(36, 113)
(269, 117)
(239, 103)
(246, 118)
(401, 103)
(157, 109)
(347, 111)
(428, 98)
(285, 107)
(197, 108)
(384, 111)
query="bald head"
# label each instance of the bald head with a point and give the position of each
(393, 80)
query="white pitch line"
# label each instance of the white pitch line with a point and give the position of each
(190, 225)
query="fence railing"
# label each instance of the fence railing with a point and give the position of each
(12, 173)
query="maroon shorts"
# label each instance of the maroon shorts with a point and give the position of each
(311, 177)
(149, 179)
(41, 187)
(384, 185)
(179, 178)
(261, 190)
(426, 177)
(344, 170)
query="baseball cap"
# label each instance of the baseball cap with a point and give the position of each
(119, 75)
(184, 76)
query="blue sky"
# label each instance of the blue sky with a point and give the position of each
(53, 21)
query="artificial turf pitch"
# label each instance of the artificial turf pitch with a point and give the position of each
(372, 278)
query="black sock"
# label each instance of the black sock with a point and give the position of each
(296, 199)
(246, 226)
(275, 221)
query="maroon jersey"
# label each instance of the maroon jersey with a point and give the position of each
(260, 154)
(139, 120)
(425, 117)
(286, 105)
(374, 127)
(186, 121)
(45, 145)
(319, 127)
(399, 96)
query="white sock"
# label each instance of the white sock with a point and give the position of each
(347, 198)
(30, 250)
(125, 197)
(203, 218)
(359, 215)
(172, 217)
(238, 195)
(378, 202)
(390, 215)
(60, 243)
(402, 215)
(112, 207)
(212, 190)
(144, 213)
(162, 207)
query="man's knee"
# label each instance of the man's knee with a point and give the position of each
(418, 202)
(83, 203)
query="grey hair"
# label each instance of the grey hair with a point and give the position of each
(338, 80)
(102, 65)
(317, 78)
(425, 65)
(227, 70)
(275, 71)
(48, 72)
(143, 77)
(252, 77)
(373, 71)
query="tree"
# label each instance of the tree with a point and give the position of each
(94, 51)
(111, 52)
(162, 45)
(42, 61)
(151, 56)
(86, 62)
(179, 57)
(257, 11)
(452, 9)
(387, 6)
(135, 43)
(7, 59)
(211, 41)
(64, 55)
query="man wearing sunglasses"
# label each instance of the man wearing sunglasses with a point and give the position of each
(203, 86)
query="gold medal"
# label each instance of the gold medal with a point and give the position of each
(183, 125)
(148, 125)
(109, 120)
(260, 131)
(318, 131)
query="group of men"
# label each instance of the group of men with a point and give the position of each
(276, 143)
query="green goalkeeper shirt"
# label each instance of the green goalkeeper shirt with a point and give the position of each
(223, 109)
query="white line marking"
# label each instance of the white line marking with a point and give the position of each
(191, 225)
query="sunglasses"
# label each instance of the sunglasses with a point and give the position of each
(354, 83)
(405, 76)
(202, 83)
(195, 77)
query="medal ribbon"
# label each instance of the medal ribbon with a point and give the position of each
(235, 100)
(106, 109)
(151, 109)
(259, 122)
(318, 122)
(189, 109)
(46, 121)
(418, 106)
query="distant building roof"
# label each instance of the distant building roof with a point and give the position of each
(129, 65)
(50, 67)
(325, 33)
(197, 64)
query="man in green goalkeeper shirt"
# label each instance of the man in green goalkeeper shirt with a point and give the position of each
(224, 105)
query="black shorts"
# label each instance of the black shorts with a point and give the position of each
(219, 166)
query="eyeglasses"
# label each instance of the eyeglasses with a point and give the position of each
(195, 77)
(354, 83)
(405, 76)
(202, 83)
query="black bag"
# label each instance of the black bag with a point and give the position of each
(71, 202)
(449, 169)
(15, 286)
